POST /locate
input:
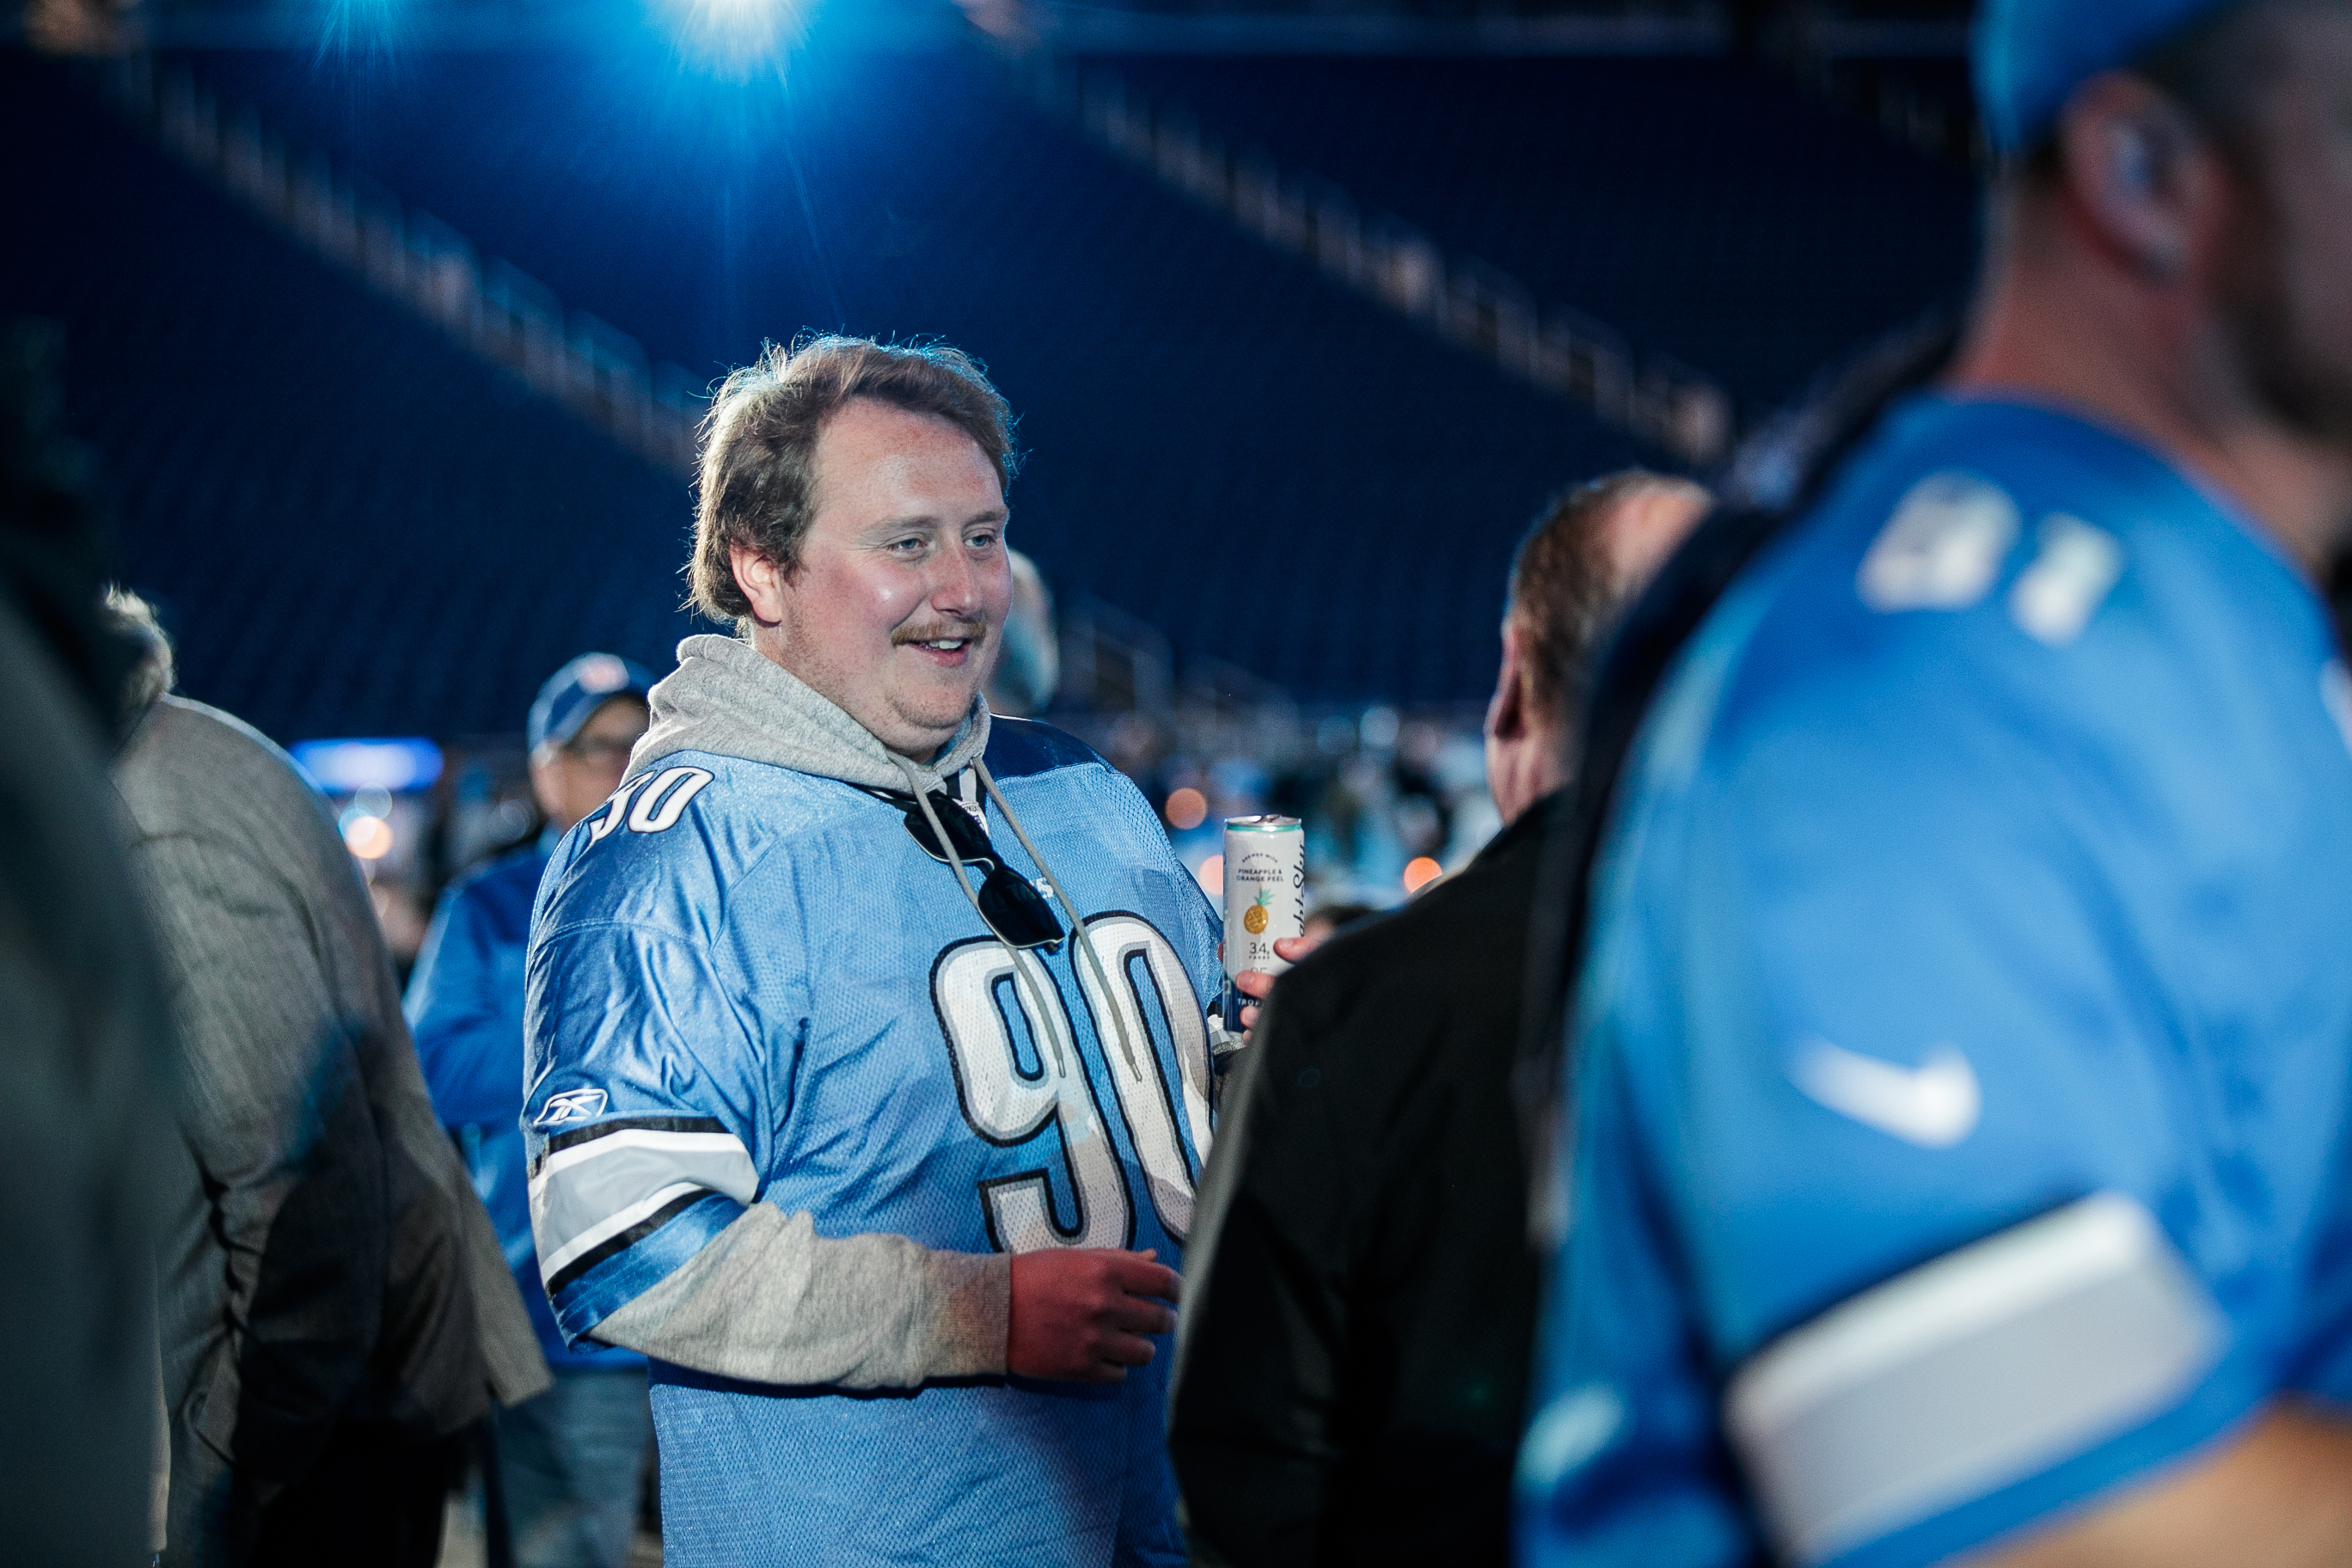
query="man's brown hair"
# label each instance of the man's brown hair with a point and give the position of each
(757, 479)
(1564, 586)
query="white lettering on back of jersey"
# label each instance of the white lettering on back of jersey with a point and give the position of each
(1942, 548)
(2056, 597)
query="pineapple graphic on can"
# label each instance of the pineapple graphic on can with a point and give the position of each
(1265, 890)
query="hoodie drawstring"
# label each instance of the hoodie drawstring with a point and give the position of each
(1085, 939)
(1045, 1019)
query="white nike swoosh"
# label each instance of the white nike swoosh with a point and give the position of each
(1933, 1105)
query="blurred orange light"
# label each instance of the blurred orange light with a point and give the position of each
(1419, 871)
(369, 838)
(1213, 876)
(1187, 809)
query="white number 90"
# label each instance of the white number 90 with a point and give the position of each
(1009, 1101)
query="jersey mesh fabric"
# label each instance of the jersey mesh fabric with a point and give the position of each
(2098, 846)
(767, 963)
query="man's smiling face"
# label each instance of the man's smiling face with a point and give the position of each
(895, 609)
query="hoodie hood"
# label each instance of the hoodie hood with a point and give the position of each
(728, 698)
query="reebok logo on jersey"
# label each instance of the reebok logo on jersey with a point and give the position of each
(1933, 1105)
(572, 1105)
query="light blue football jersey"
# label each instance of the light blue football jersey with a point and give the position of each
(749, 985)
(1963, 1043)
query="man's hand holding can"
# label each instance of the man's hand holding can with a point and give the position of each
(1266, 909)
(1257, 984)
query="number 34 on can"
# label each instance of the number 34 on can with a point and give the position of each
(1266, 889)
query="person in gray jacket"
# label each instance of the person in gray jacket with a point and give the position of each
(333, 1308)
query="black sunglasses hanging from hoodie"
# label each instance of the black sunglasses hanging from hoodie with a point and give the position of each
(1015, 911)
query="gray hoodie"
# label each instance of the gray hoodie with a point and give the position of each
(730, 700)
(768, 1299)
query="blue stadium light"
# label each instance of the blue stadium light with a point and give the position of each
(358, 23)
(736, 37)
(348, 766)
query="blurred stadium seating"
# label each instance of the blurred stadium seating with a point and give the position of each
(353, 527)
(1262, 498)
(1704, 210)
(1268, 470)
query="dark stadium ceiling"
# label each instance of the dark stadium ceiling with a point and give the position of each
(1900, 63)
(1804, 34)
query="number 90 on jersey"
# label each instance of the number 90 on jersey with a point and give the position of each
(1015, 1084)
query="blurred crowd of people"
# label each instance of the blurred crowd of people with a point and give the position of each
(1390, 798)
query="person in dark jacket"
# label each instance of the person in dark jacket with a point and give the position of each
(86, 1043)
(1353, 1354)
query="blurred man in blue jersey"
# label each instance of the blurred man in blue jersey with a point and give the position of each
(569, 1461)
(1960, 1161)
(868, 1067)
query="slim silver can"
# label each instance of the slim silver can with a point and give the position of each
(1265, 890)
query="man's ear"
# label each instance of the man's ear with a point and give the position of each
(1507, 715)
(761, 581)
(2140, 173)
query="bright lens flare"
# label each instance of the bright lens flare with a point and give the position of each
(736, 38)
(1213, 876)
(1187, 809)
(1419, 872)
(369, 838)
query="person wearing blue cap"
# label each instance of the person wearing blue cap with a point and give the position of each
(1962, 1054)
(568, 1462)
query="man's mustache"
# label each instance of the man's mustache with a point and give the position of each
(969, 631)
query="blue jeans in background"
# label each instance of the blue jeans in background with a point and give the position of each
(569, 1464)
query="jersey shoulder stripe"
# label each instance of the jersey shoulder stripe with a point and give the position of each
(615, 1206)
(633, 1262)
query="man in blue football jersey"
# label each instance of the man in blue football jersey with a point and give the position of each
(569, 1461)
(869, 1073)
(1961, 1141)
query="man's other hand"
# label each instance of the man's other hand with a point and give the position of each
(1258, 984)
(1080, 1315)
